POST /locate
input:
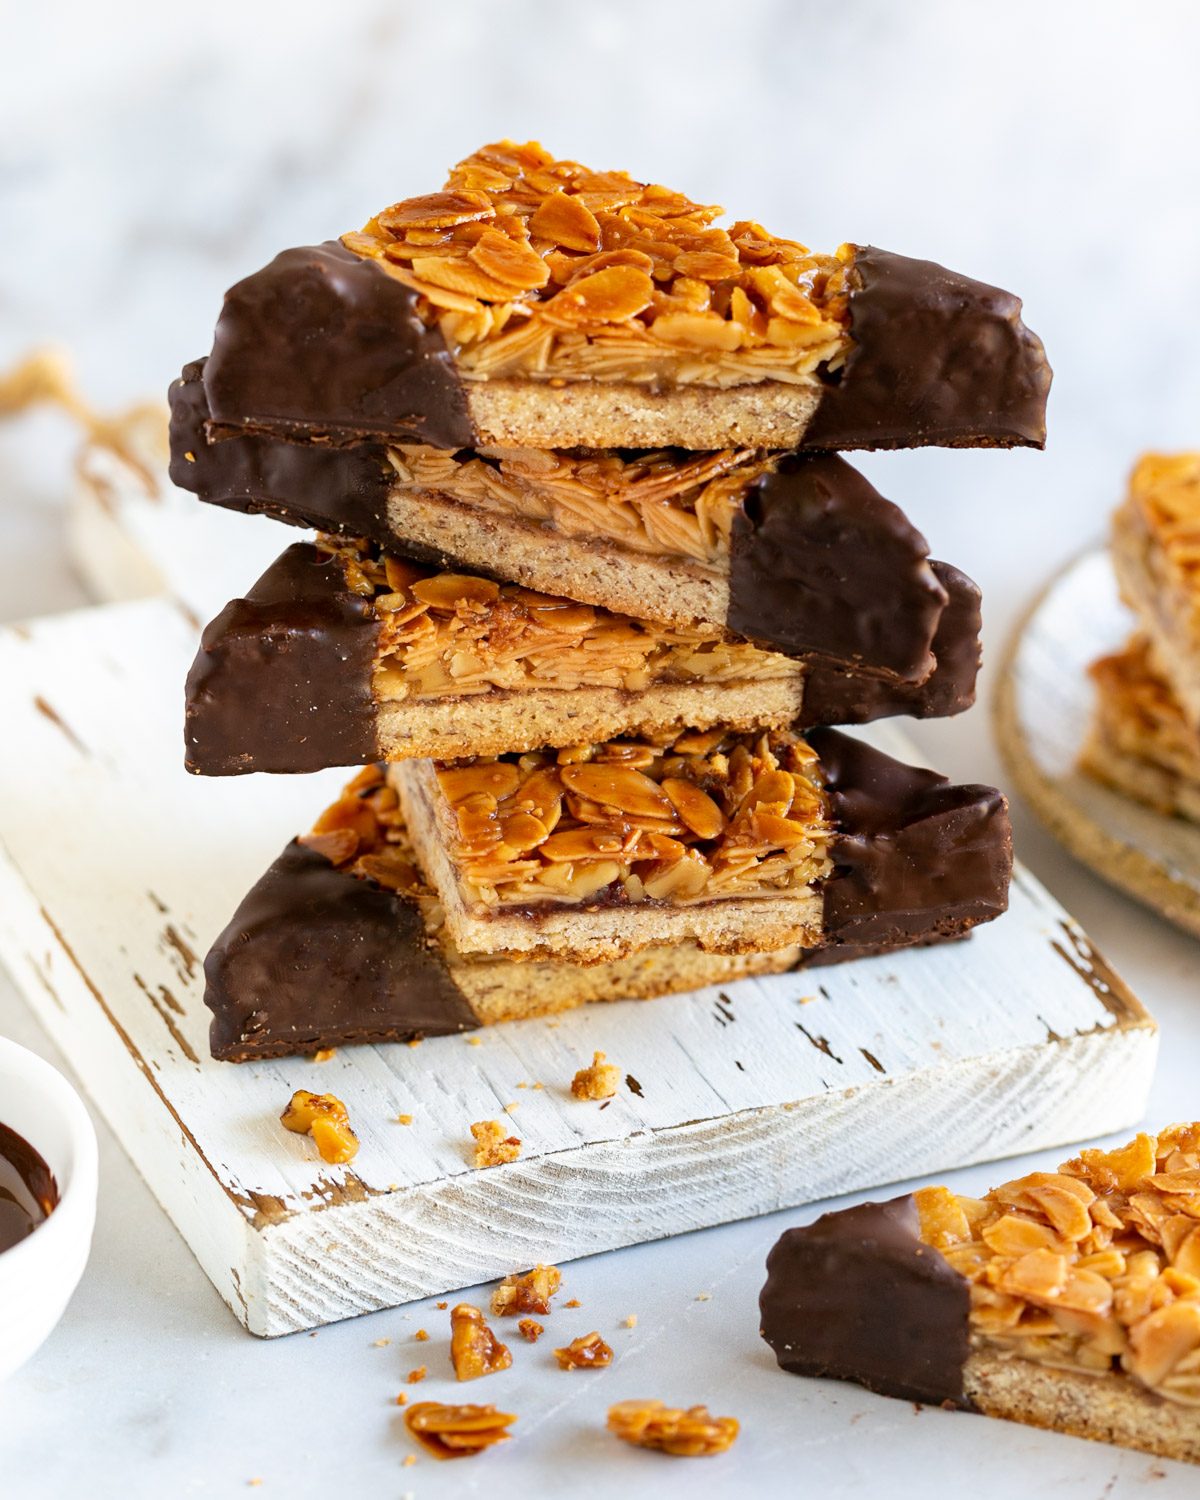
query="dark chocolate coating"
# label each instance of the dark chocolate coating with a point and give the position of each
(937, 359)
(821, 564)
(282, 679)
(315, 957)
(834, 696)
(915, 858)
(305, 484)
(322, 343)
(858, 1296)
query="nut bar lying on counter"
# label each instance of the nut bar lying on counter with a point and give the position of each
(1068, 1299)
(1139, 742)
(795, 551)
(343, 940)
(343, 655)
(729, 839)
(1156, 552)
(536, 303)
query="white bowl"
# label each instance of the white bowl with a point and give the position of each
(39, 1273)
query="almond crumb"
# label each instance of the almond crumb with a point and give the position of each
(418, 1374)
(401, 1399)
(588, 1352)
(323, 1054)
(474, 1348)
(420, 1336)
(409, 1460)
(630, 1321)
(703, 1296)
(574, 1302)
(416, 1041)
(381, 1343)
(599, 1081)
(527, 1292)
(511, 1108)
(323, 1117)
(474, 1041)
(442, 1306)
(686, 1434)
(457, 1431)
(493, 1145)
(530, 1330)
(404, 1119)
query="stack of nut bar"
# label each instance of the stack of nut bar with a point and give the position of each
(1145, 734)
(589, 588)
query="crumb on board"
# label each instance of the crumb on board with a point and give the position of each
(493, 1145)
(588, 1352)
(474, 1348)
(600, 1080)
(441, 1306)
(421, 1335)
(324, 1117)
(630, 1321)
(414, 1376)
(703, 1296)
(415, 1041)
(530, 1330)
(404, 1119)
(381, 1343)
(401, 1399)
(323, 1054)
(574, 1302)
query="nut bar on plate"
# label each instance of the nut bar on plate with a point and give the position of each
(343, 655)
(1139, 742)
(343, 940)
(1068, 1299)
(1156, 552)
(796, 551)
(722, 837)
(536, 303)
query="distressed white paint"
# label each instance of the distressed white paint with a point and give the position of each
(1044, 706)
(117, 870)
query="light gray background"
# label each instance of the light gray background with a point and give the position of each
(151, 154)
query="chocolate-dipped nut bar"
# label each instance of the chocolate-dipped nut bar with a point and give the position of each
(736, 841)
(1156, 551)
(795, 551)
(341, 654)
(535, 303)
(1139, 742)
(343, 941)
(1068, 1299)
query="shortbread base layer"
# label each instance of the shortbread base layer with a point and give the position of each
(1107, 1408)
(512, 412)
(1164, 605)
(598, 571)
(588, 933)
(495, 723)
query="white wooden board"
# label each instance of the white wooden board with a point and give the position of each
(117, 869)
(1043, 707)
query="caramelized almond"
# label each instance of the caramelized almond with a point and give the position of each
(565, 221)
(622, 787)
(498, 778)
(448, 590)
(695, 808)
(610, 296)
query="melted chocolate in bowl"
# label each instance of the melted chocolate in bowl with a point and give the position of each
(28, 1191)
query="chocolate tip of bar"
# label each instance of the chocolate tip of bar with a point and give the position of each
(324, 343)
(317, 957)
(304, 484)
(916, 859)
(937, 358)
(282, 679)
(859, 1296)
(821, 564)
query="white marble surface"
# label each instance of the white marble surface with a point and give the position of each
(149, 155)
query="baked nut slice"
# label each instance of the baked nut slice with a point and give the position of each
(734, 840)
(1156, 552)
(1068, 1300)
(796, 552)
(343, 655)
(536, 303)
(342, 941)
(1139, 742)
